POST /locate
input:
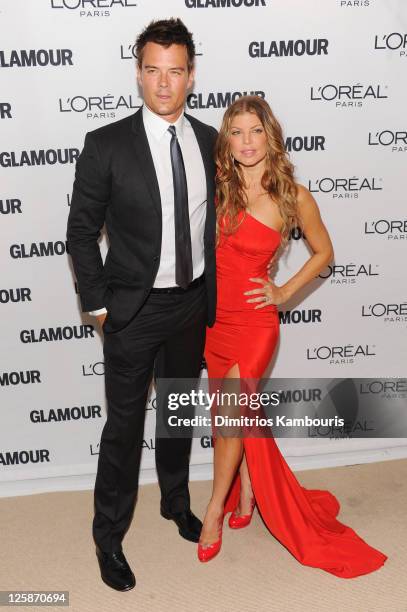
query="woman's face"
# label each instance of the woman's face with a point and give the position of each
(247, 139)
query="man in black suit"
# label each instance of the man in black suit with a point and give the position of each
(150, 179)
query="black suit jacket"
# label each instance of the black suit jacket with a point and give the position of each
(116, 184)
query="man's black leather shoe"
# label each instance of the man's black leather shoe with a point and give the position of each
(189, 526)
(115, 570)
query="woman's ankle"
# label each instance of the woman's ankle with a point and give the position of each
(246, 492)
(245, 501)
(215, 508)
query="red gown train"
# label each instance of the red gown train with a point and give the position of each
(303, 520)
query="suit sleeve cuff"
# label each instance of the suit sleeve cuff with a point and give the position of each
(99, 311)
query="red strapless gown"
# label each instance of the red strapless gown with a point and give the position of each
(303, 520)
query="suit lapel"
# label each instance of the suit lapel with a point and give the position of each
(205, 146)
(207, 154)
(145, 160)
(146, 166)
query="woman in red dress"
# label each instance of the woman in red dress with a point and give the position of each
(258, 204)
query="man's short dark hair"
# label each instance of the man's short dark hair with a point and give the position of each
(166, 32)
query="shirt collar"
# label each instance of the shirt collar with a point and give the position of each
(157, 126)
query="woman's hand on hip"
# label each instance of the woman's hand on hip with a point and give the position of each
(267, 294)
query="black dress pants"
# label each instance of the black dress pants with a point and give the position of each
(166, 338)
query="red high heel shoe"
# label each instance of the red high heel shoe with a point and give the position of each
(237, 521)
(211, 550)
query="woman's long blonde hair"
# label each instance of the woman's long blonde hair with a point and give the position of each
(278, 177)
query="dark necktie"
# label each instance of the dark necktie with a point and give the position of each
(183, 249)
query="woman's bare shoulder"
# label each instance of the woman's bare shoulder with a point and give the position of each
(307, 206)
(303, 194)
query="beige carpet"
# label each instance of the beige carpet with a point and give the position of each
(46, 543)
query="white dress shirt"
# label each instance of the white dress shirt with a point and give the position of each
(159, 139)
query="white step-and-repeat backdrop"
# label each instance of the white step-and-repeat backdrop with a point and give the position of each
(333, 72)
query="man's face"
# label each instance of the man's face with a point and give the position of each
(164, 79)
